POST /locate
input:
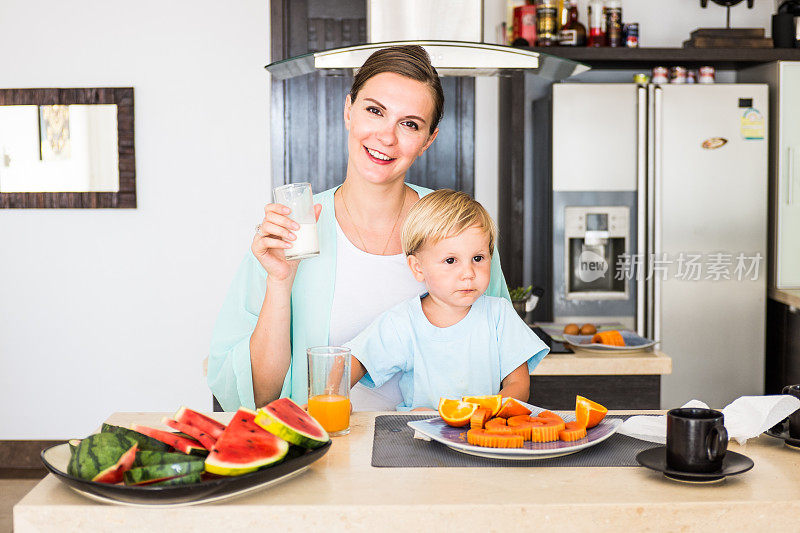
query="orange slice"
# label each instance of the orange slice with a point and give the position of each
(479, 437)
(493, 402)
(588, 413)
(572, 431)
(512, 407)
(479, 418)
(455, 413)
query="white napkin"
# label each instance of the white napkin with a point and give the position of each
(421, 436)
(747, 417)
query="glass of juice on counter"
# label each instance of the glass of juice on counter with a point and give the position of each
(329, 388)
(298, 198)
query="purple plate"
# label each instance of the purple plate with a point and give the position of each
(456, 439)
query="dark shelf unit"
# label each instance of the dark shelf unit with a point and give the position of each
(634, 58)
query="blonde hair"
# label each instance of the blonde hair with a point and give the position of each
(441, 214)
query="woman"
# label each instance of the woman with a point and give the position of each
(275, 308)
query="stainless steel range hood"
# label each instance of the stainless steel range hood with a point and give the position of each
(450, 58)
(452, 32)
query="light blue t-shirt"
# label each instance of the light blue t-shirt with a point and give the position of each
(470, 357)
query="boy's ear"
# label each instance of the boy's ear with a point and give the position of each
(416, 268)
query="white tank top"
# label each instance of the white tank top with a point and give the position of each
(366, 286)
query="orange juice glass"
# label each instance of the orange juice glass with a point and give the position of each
(329, 388)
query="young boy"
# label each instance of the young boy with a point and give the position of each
(454, 340)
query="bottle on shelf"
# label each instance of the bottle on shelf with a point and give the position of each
(524, 26)
(572, 33)
(597, 24)
(546, 23)
(613, 15)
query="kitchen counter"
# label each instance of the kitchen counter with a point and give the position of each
(342, 491)
(582, 363)
(790, 297)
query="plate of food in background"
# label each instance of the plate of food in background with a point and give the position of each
(609, 341)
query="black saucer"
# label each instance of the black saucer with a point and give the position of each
(781, 431)
(656, 459)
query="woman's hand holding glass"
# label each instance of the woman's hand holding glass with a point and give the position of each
(274, 236)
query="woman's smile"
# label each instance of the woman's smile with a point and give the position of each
(379, 157)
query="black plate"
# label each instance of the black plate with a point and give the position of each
(781, 431)
(656, 459)
(56, 457)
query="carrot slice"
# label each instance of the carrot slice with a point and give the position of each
(610, 338)
(479, 437)
(550, 414)
(500, 430)
(495, 422)
(512, 407)
(572, 431)
(544, 429)
(480, 417)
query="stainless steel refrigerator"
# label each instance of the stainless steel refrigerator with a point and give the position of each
(688, 163)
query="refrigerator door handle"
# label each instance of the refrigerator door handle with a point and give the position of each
(641, 209)
(790, 166)
(658, 155)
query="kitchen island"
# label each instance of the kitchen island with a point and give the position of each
(619, 381)
(342, 491)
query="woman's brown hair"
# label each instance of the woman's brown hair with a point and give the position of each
(411, 61)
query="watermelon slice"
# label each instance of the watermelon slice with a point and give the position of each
(156, 473)
(182, 444)
(244, 447)
(204, 423)
(144, 442)
(102, 457)
(204, 438)
(147, 458)
(288, 421)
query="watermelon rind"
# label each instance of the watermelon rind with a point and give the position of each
(204, 423)
(148, 457)
(99, 454)
(244, 447)
(144, 442)
(147, 474)
(194, 477)
(178, 442)
(287, 420)
(115, 472)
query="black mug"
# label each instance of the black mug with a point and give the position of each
(696, 440)
(794, 418)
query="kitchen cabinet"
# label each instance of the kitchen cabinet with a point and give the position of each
(783, 78)
(614, 392)
(782, 346)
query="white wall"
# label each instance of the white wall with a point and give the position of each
(112, 310)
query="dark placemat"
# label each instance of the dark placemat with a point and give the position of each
(394, 445)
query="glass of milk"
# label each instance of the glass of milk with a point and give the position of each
(298, 198)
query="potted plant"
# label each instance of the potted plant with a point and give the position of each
(519, 298)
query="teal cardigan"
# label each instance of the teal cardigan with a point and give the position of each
(230, 376)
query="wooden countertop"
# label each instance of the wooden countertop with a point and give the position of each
(582, 363)
(343, 492)
(789, 297)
